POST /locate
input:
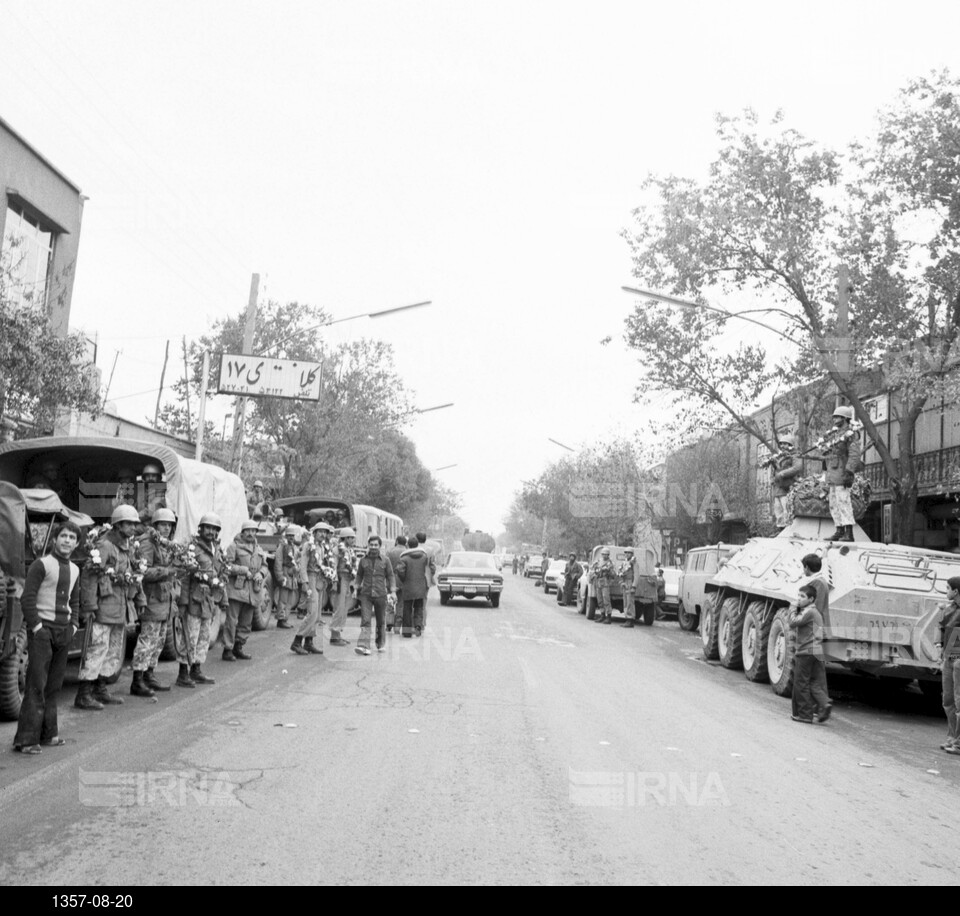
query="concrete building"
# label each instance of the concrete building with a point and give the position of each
(40, 215)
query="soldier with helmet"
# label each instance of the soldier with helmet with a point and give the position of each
(255, 502)
(841, 459)
(245, 565)
(161, 588)
(318, 568)
(603, 573)
(786, 466)
(110, 594)
(202, 595)
(629, 573)
(347, 562)
(286, 572)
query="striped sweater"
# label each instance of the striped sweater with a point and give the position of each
(51, 593)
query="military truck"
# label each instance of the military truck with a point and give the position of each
(13, 632)
(646, 611)
(882, 620)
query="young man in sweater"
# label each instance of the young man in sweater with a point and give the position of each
(809, 674)
(51, 609)
(950, 666)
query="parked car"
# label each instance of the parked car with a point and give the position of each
(670, 601)
(700, 565)
(553, 580)
(534, 566)
(469, 574)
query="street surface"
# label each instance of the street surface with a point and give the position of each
(522, 744)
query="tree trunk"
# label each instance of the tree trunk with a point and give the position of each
(906, 489)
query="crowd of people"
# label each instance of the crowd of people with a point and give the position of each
(131, 571)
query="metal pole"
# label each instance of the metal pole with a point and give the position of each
(163, 374)
(249, 327)
(203, 404)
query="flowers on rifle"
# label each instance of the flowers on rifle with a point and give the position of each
(835, 437)
(95, 560)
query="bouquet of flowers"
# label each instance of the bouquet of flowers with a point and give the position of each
(208, 578)
(834, 437)
(809, 496)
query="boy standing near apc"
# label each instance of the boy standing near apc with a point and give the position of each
(950, 666)
(51, 609)
(809, 674)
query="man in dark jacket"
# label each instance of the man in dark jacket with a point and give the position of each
(415, 571)
(374, 583)
(950, 666)
(571, 577)
(51, 605)
(393, 555)
(245, 568)
(161, 589)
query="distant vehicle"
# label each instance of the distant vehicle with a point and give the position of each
(700, 565)
(506, 559)
(470, 574)
(554, 577)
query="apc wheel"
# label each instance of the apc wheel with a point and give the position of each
(755, 635)
(780, 655)
(708, 628)
(444, 597)
(494, 601)
(13, 677)
(730, 634)
(687, 620)
(649, 614)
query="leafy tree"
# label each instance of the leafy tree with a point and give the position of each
(775, 221)
(40, 373)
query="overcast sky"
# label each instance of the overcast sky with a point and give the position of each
(362, 155)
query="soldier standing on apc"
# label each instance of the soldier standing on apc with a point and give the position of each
(201, 597)
(842, 460)
(245, 563)
(787, 465)
(110, 594)
(161, 588)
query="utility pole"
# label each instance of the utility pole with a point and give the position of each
(843, 324)
(198, 454)
(163, 373)
(186, 379)
(249, 328)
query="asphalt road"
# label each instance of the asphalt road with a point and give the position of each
(522, 744)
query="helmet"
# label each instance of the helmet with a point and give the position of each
(787, 439)
(605, 550)
(164, 515)
(347, 533)
(845, 412)
(211, 519)
(249, 525)
(126, 475)
(628, 550)
(296, 531)
(152, 469)
(258, 483)
(124, 513)
(321, 526)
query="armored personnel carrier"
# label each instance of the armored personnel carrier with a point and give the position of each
(882, 620)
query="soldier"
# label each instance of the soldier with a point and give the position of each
(787, 465)
(161, 588)
(347, 561)
(286, 573)
(202, 595)
(602, 574)
(571, 577)
(318, 569)
(245, 563)
(255, 502)
(842, 461)
(629, 573)
(110, 594)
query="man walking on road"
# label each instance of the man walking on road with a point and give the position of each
(375, 584)
(415, 570)
(393, 555)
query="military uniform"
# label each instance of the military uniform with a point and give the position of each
(786, 468)
(286, 573)
(317, 571)
(629, 574)
(603, 574)
(347, 562)
(245, 565)
(161, 588)
(842, 461)
(202, 596)
(110, 595)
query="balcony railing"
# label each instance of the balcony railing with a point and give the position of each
(937, 472)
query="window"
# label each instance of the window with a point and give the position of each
(28, 242)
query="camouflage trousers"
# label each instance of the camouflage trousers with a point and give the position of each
(841, 508)
(104, 651)
(315, 602)
(153, 634)
(191, 636)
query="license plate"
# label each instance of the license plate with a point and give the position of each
(470, 590)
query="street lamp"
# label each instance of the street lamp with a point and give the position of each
(567, 447)
(446, 467)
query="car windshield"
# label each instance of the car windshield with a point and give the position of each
(472, 561)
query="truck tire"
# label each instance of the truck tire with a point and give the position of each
(781, 646)
(591, 607)
(708, 628)
(444, 597)
(755, 635)
(13, 677)
(494, 601)
(649, 613)
(730, 633)
(932, 694)
(687, 620)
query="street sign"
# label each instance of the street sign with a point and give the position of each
(265, 377)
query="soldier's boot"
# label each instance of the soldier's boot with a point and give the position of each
(183, 678)
(150, 679)
(103, 695)
(608, 619)
(847, 534)
(297, 646)
(239, 653)
(838, 534)
(138, 688)
(228, 655)
(628, 625)
(283, 625)
(198, 676)
(310, 648)
(85, 698)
